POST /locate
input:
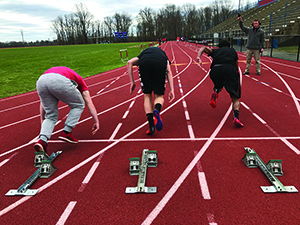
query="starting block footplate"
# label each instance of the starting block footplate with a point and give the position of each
(28, 192)
(134, 190)
(272, 189)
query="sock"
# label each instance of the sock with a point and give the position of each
(43, 138)
(236, 113)
(66, 132)
(158, 107)
(150, 119)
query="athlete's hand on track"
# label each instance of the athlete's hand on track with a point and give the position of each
(95, 128)
(199, 61)
(132, 87)
(171, 96)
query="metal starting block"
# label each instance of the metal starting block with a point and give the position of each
(272, 169)
(45, 170)
(149, 159)
(39, 157)
(275, 166)
(152, 158)
(134, 166)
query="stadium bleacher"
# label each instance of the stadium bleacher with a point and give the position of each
(285, 19)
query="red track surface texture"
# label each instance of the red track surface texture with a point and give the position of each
(200, 177)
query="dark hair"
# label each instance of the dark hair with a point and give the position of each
(224, 43)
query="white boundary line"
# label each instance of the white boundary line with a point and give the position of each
(63, 218)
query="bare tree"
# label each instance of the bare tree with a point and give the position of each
(121, 22)
(84, 18)
(145, 26)
(108, 21)
(190, 18)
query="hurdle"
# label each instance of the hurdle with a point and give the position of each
(124, 60)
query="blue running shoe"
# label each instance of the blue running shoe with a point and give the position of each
(157, 121)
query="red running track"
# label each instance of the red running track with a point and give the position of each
(200, 177)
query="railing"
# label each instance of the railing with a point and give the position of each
(273, 44)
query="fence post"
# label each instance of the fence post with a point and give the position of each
(298, 49)
(272, 39)
(241, 44)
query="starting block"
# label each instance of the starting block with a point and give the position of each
(134, 166)
(39, 157)
(123, 59)
(272, 169)
(149, 159)
(45, 170)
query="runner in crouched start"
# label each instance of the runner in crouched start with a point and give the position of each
(224, 73)
(154, 67)
(62, 84)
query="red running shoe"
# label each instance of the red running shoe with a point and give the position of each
(67, 138)
(157, 121)
(150, 131)
(40, 146)
(237, 122)
(213, 101)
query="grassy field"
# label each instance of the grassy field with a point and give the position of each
(21, 67)
(290, 49)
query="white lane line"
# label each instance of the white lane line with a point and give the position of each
(259, 118)
(6, 160)
(63, 218)
(186, 113)
(202, 180)
(19, 106)
(191, 132)
(115, 132)
(276, 89)
(203, 185)
(90, 174)
(211, 219)
(160, 206)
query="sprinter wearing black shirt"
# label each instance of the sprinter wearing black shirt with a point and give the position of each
(224, 73)
(154, 68)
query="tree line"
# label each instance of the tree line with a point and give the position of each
(169, 22)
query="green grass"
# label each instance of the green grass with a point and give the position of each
(290, 49)
(21, 67)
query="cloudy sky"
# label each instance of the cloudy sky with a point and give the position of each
(34, 17)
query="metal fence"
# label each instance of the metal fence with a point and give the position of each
(273, 45)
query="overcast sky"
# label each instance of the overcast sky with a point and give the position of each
(34, 17)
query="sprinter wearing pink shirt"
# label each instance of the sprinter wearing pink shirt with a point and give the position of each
(64, 84)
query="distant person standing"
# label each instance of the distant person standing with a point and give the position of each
(154, 68)
(62, 84)
(255, 44)
(224, 73)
